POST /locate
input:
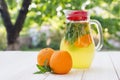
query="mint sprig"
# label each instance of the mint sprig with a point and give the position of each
(43, 69)
(75, 30)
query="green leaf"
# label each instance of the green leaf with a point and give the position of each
(41, 68)
(38, 72)
(46, 67)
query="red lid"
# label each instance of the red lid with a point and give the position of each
(77, 15)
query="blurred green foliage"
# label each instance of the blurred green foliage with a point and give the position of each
(2, 39)
(51, 12)
(42, 41)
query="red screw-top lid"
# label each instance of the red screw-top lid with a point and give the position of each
(77, 15)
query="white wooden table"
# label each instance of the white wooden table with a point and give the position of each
(18, 65)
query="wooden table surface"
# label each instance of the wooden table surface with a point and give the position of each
(20, 65)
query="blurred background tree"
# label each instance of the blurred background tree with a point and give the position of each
(44, 24)
(13, 28)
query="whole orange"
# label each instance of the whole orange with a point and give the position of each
(61, 62)
(44, 54)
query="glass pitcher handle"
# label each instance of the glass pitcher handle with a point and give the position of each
(100, 34)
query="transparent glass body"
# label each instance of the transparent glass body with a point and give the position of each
(79, 43)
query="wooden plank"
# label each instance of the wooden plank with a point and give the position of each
(115, 58)
(74, 74)
(101, 69)
(19, 66)
(27, 74)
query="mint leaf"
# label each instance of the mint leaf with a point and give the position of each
(41, 68)
(46, 66)
(38, 72)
